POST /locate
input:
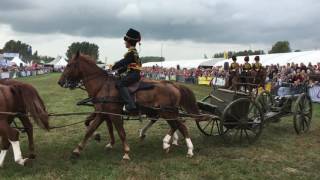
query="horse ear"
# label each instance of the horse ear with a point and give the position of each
(77, 54)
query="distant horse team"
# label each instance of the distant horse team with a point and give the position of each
(155, 99)
(246, 76)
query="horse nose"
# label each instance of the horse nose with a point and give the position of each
(61, 83)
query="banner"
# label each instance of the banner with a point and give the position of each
(204, 80)
(218, 81)
(173, 78)
(5, 75)
(315, 93)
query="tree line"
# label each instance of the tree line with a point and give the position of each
(278, 47)
(92, 49)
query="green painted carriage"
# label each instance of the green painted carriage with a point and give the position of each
(295, 102)
(240, 117)
(237, 116)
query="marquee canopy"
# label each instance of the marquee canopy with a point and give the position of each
(59, 61)
(17, 61)
(281, 58)
(195, 63)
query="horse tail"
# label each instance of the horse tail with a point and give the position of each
(33, 104)
(188, 100)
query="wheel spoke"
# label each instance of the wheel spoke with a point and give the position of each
(212, 128)
(235, 117)
(248, 137)
(207, 124)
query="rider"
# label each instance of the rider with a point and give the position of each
(234, 69)
(257, 66)
(246, 66)
(130, 67)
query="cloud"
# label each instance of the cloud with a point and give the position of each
(219, 21)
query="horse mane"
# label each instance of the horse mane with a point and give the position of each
(92, 63)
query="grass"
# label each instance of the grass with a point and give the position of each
(279, 153)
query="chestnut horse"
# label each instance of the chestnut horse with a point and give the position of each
(98, 84)
(25, 120)
(22, 98)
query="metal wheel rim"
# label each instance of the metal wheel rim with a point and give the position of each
(246, 130)
(302, 114)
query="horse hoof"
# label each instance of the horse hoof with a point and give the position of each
(97, 137)
(142, 137)
(189, 155)
(175, 143)
(32, 156)
(108, 146)
(167, 150)
(126, 157)
(74, 155)
(22, 162)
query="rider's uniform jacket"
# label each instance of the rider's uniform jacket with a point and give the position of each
(130, 63)
(247, 67)
(257, 66)
(234, 67)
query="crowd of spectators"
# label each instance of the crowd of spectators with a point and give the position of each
(290, 73)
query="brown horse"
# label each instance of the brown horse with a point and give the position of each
(233, 80)
(100, 85)
(25, 120)
(22, 98)
(258, 78)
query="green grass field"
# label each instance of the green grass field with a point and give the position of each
(278, 154)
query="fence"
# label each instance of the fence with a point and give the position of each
(16, 74)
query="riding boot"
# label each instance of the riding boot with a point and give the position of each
(126, 97)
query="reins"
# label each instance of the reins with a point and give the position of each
(125, 117)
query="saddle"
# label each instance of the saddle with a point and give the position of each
(140, 86)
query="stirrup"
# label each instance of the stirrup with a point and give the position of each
(129, 111)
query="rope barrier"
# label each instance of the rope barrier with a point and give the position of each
(100, 112)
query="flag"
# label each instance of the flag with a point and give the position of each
(225, 55)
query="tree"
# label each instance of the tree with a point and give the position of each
(25, 50)
(87, 48)
(151, 59)
(280, 47)
(239, 53)
(46, 59)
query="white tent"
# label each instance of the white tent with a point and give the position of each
(281, 58)
(210, 62)
(17, 61)
(62, 62)
(194, 63)
(58, 62)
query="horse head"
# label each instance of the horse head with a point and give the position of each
(71, 76)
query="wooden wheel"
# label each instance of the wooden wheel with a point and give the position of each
(209, 127)
(241, 122)
(265, 101)
(302, 114)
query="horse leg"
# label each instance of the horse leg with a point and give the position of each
(12, 135)
(89, 119)
(142, 132)
(111, 134)
(118, 124)
(166, 140)
(175, 138)
(184, 131)
(92, 127)
(29, 129)
(4, 149)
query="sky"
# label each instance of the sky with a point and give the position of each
(183, 29)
